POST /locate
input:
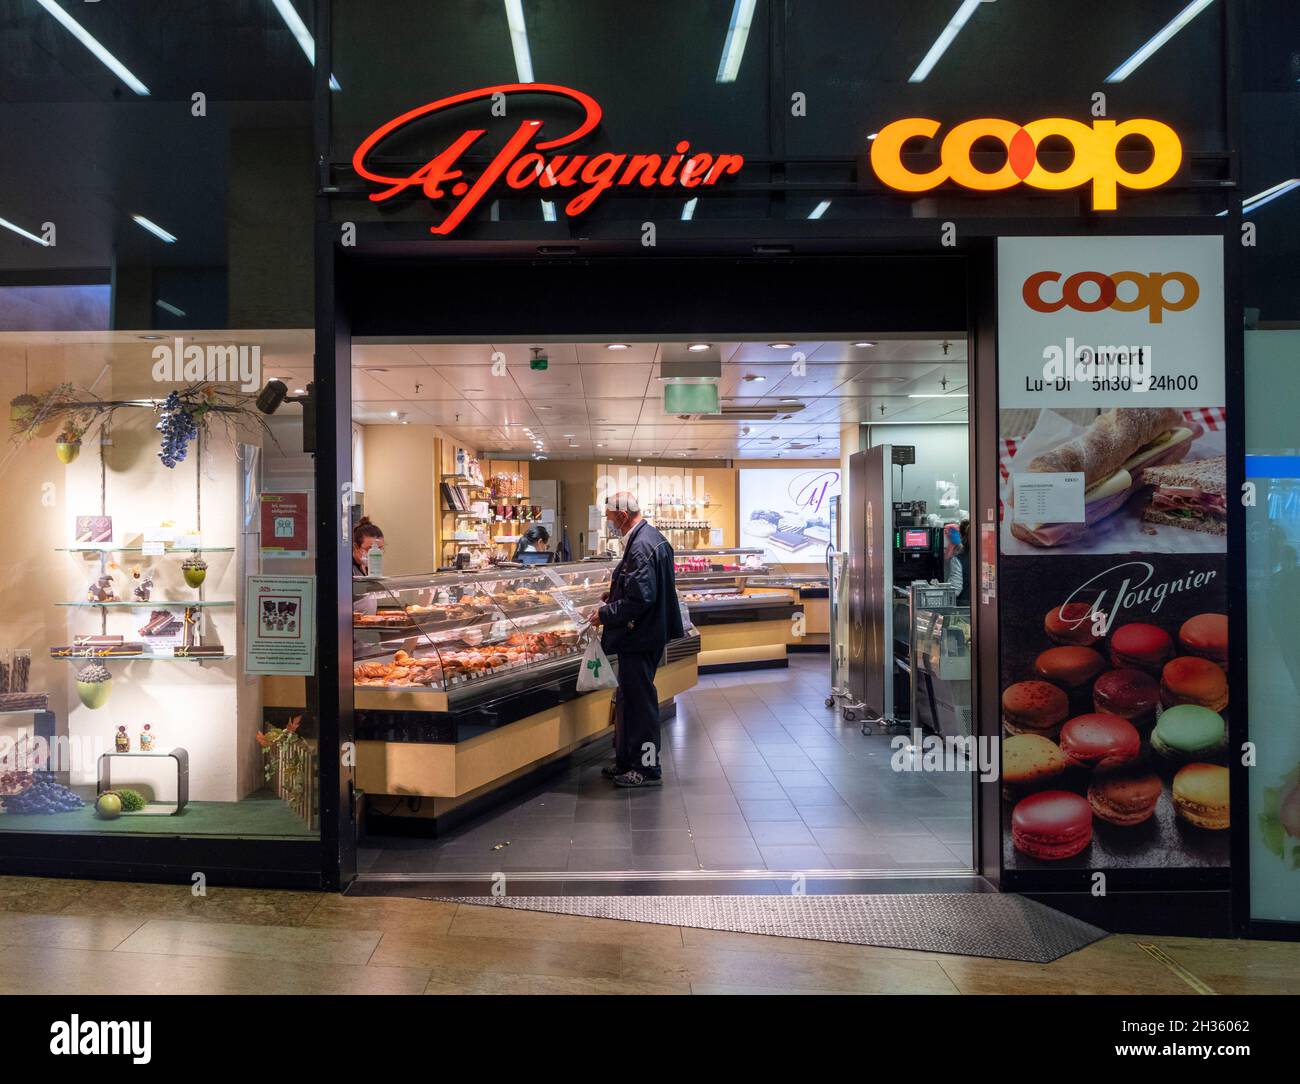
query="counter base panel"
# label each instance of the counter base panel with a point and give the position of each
(743, 646)
(454, 773)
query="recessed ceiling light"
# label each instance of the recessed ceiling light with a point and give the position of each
(781, 346)
(789, 400)
(376, 370)
(150, 338)
(300, 391)
(616, 346)
(392, 414)
(694, 348)
(862, 345)
(600, 446)
(754, 378)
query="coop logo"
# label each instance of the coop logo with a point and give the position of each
(213, 363)
(1112, 291)
(1095, 156)
(519, 164)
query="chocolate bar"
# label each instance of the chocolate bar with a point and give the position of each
(104, 641)
(161, 623)
(97, 651)
(199, 651)
(24, 701)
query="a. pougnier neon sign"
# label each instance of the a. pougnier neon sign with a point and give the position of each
(1095, 161)
(518, 167)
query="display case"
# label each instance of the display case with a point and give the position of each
(443, 641)
(940, 662)
(743, 621)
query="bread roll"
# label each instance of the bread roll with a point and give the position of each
(1101, 449)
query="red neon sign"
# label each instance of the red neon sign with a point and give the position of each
(518, 167)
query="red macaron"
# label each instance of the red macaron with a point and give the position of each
(1051, 825)
(1190, 679)
(1070, 625)
(1069, 667)
(1146, 647)
(1131, 694)
(1100, 741)
(1206, 635)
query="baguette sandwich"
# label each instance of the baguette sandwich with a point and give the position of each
(1193, 496)
(1112, 454)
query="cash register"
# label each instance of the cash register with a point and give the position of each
(918, 548)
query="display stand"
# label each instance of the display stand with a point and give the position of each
(180, 757)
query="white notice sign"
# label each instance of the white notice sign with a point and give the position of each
(1049, 498)
(280, 625)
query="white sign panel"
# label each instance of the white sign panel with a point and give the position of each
(280, 625)
(787, 512)
(1108, 321)
(1049, 498)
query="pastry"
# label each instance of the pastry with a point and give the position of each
(1070, 624)
(1206, 635)
(1029, 761)
(1189, 732)
(1131, 694)
(1201, 795)
(1034, 707)
(1124, 799)
(1190, 679)
(1051, 825)
(1146, 647)
(1070, 667)
(1100, 741)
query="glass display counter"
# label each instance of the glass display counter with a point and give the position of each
(744, 622)
(465, 683)
(941, 665)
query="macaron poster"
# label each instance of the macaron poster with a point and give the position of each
(1114, 704)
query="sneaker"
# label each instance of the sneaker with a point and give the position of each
(633, 778)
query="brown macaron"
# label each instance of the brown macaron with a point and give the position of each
(1124, 799)
(1069, 667)
(1070, 625)
(1034, 707)
(1190, 679)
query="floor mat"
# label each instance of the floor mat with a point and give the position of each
(1002, 926)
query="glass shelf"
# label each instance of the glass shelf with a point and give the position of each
(143, 658)
(151, 603)
(140, 549)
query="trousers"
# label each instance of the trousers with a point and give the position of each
(636, 720)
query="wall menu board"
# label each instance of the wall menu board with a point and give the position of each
(1114, 646)
(787, 512)
(1273, 599)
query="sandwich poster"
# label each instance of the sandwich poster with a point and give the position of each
(1112, 535)
(786, 513)
(1111, 385)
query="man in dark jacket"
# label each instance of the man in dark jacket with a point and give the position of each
(640, 615)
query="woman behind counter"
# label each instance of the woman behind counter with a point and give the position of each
(534, 540)
(366, 537)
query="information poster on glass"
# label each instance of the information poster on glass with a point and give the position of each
(280, 625)
(786, 512)
(1113, 531)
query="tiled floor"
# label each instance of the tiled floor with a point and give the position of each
(758, 775)
(84, 937)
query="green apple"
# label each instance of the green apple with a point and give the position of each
(109, 806)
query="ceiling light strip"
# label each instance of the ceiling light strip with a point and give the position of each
(944, 40)
(90, 42)
(23, 233)
(733, 48)
(1142, 55)
(519, 41)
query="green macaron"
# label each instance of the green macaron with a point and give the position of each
(1189, 732)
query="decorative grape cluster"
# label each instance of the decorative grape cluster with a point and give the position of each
(178, 428)
(43, 796)
(94, 674)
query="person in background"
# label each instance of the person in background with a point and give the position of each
(533, 540)
(639, 616)
(366, 536)
(956, 559)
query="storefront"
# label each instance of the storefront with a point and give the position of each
(500, 226)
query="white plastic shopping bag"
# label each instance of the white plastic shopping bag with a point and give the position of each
(596, 673)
